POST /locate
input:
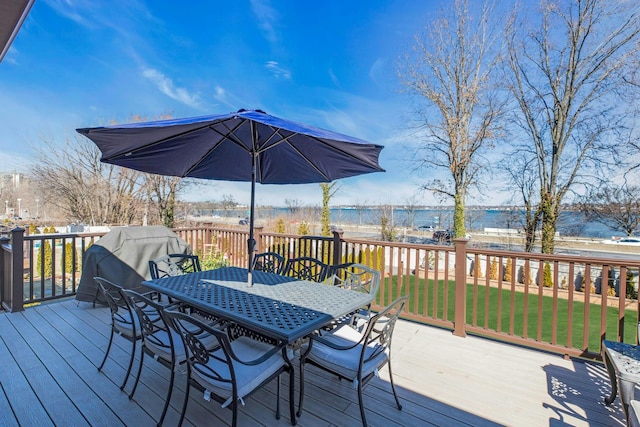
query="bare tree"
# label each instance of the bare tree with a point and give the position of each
(228, 203)
(73, 179)
(163, 190)
(410, 207)
(474, 215)
(452, 68)
(615, 206)
(293, 205)
(360, 207)
(570, 76)
(387, 224)
(523, 177)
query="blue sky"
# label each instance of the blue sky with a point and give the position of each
(331, 64)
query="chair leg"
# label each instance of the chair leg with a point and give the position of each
(292, 403)
(169, 393)
(133, 356)
(278, 398)
(303, 356)
(186, 396)
(234, 422)
(361, 403)
(301, 397)
(106, 353)
(393, 387)
(135, 384)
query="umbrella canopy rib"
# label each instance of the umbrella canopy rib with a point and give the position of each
(231, 136)
(310, 163)
(128, 153)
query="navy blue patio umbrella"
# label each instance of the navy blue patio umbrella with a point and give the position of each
(248, 145)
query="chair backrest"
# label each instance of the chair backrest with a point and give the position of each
(121, 312)
(173, 265)
(197, 341)
(155, 330)
(358, 277)
(379, 330)
(306, 268)
(269, 262)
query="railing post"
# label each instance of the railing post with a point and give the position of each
(14, 300)
(5, 266)
(257, 236)
(337, 246)
(460, 316)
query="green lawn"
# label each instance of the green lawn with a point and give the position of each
(494, 296)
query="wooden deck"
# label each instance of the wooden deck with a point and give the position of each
(48, 376)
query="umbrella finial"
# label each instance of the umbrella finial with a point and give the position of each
(244, 110)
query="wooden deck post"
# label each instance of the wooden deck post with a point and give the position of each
(5, 266)
(13, 295)
(257, 235)
(337, 246)
(460, 315)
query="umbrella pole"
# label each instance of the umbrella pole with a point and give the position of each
(251, 243)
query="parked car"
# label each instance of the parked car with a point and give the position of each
(443, 235)
(425, 227)
(630, 241)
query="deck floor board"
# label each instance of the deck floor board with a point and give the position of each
(49, 377)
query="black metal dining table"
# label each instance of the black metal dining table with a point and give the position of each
(279, 307)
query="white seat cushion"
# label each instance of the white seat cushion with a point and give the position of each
(248, 376)
(159, 344)
(125, 325)
(345, 362)
(634, 413)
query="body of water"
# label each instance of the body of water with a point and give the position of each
(570, 223)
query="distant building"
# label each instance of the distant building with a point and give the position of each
(11, 181)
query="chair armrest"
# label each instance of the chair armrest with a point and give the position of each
(265, 356)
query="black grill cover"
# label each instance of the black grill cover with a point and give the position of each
(122, 256)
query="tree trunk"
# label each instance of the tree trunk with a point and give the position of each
(531, 223)
(459, 229)
(168, 213)
(549, 208)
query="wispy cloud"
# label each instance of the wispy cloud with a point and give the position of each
(277, 70)
(334, 78)
(166, 86)
(222, 96)
(376, 71)
(10, 59)
(267, 18)
(70, 10)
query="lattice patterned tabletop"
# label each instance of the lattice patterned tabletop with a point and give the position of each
(623, 365)
(626, 358)
(277, 306)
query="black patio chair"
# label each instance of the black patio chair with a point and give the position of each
(124, 321)
(233, 369)
(352, 355)
(159, 341)
(306, 268)
(356, 277)
(269, 262)
(173, 265)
